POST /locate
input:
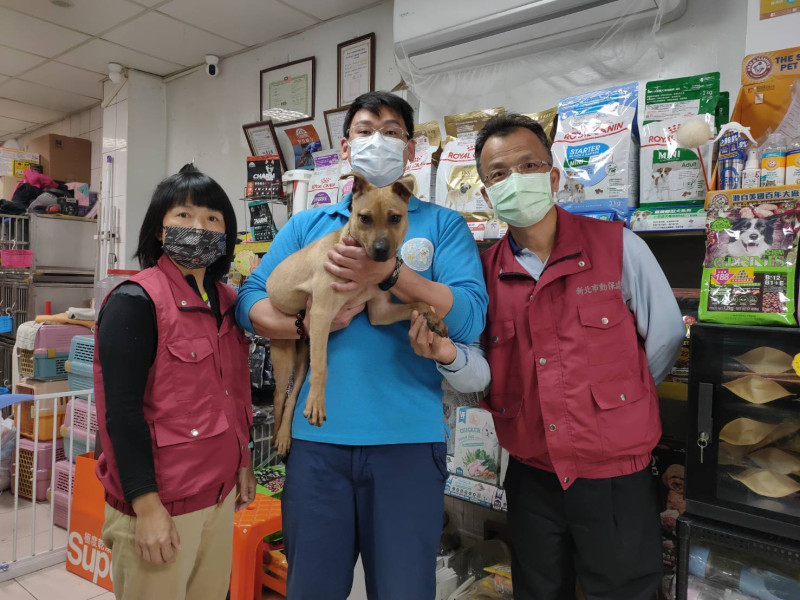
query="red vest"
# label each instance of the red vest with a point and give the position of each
(197, 400)
(571, 391)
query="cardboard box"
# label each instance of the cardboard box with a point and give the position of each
(7, 187)
(63, 158)
(8, 156)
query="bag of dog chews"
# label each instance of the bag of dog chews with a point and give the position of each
(749, 267)
(596, 151)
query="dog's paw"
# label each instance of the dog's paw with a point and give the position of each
(314, 411)
(435, 324)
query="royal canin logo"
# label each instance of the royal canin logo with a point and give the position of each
(572, 136)
(659, 139)
(456, 156)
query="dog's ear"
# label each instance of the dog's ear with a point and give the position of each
(403, 186)
(360, 183)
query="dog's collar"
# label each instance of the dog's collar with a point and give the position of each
(343, 207)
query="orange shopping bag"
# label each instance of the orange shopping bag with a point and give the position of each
(87, 556)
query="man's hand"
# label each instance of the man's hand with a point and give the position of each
(156, 538)
(245, 487)
(427, 344)
(349, 260)
(340, 321)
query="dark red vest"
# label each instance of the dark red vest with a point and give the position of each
(197, 401)
(571, 391)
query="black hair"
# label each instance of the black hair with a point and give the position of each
(189, 185)
(505, 124)
(373, 101)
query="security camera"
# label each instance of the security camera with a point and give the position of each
(212, 65)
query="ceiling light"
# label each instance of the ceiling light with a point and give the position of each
(115, 72)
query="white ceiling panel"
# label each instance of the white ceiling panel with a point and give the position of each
(163, 36)
(27, 112)
(66, 77)
(147, 2)
(8, 125)
(3, 78)
(96, 55)
(47, 97)
(88, 16)
(330, 8)
(13, 62)
(36, 36)
(247, 21)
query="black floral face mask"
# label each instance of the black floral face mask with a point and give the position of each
(193, 248)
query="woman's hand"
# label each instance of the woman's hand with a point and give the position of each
(427, 344)
(245, 487)
(156, 537)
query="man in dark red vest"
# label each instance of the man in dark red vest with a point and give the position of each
(581, 324)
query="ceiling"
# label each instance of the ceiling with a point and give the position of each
(54, 53)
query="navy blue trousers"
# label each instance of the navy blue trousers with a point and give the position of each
(383, 502)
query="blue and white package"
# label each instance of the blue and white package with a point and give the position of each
(596, 151)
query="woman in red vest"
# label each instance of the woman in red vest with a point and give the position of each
(173, 399)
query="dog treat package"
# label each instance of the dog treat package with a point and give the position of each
(323, 189)
(547, 119)
(757, 389)
(465, 126)
(596, 151)
(768, 483)
(421, 168)
(477, 451)
(750, 260)
(765, 360)
(264, 177)
(458, 185)
(669, 174)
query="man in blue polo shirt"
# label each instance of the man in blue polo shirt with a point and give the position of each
(370, 481)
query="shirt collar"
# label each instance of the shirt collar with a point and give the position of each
(343, 207)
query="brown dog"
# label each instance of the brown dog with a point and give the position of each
(378, 222)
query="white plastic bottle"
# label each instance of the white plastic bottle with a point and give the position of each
(793, 162)
(751, 174)
(773, 160)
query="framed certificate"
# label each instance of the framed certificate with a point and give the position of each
(334, 122)
(287, 92)
(356, 68)
(262, 140)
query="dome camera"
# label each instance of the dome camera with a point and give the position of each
(212, 65)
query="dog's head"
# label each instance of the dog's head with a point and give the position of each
(754, 234)
(379, 216)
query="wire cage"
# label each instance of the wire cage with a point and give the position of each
(262, 432)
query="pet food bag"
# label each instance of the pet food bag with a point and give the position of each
(421, 169)
(458, 186)
(749, 266)
(465, 126)
(323, 189)
(669, 174)
(596, 151)
(477, 451)
(547, 119)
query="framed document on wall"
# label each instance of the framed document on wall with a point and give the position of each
(334, 122)
(356, 68)
(287, 92)
(262, 140)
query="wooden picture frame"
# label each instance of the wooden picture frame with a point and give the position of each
(287, 92)
(355, 68)
(262, 140)
(334, 119)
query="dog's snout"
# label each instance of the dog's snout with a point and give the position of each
(380, 250)
(753, 236)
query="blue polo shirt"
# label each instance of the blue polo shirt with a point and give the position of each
(378, 391)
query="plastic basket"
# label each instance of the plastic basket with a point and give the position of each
(43, 366)
(26, 482)
(80, 375)
(16, 258)
(81, 348)
(45, 459)
(65, 477)
(76, 439)
(6, 324)
(78, 415)
(26, 416)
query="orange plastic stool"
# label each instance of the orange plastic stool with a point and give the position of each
(250, 526)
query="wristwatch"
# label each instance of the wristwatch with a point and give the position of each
(389, 282)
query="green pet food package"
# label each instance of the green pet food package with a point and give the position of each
(749, 266)
(477, 451)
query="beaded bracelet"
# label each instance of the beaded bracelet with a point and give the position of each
(301, 331)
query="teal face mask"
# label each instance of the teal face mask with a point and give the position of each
(521, 200)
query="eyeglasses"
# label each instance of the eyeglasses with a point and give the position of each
(390, 131)
(531, 166)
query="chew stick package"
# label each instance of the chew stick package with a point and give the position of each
(596, 151)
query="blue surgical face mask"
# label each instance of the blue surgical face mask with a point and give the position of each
(378, 158)
(521, 200)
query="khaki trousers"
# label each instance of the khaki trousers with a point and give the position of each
(202, 567)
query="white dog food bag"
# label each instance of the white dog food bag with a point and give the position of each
(596, 151)
(323, 189)
(458, 186)
(477, 451)
(669, 174)
(750, 261)
(421, 168)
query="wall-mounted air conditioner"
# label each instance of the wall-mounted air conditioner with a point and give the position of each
(440, 35)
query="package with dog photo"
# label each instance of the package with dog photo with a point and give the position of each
(477, 451)
(458, 185)
(421, 168)
(323, 189)
(750, 263)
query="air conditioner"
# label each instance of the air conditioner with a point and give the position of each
(441, 35)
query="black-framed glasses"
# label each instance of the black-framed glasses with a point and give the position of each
(531, 166)
(389, 131)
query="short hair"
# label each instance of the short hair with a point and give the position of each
(505, 124)
(373, 101)
(189, 185)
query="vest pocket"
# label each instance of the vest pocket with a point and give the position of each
(624, 416)
(608, 331)
(190, 350)
(500, 333)
(189, 428)
(503, 406)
